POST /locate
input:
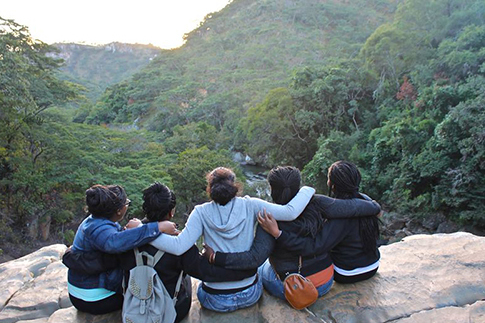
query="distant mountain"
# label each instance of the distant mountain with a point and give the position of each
(97, 67)
(238, 54)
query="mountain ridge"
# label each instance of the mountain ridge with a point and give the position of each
(238, 54)
(98, 66)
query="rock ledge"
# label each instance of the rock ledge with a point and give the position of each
(423, 278)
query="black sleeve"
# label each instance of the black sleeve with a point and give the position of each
(91, 263)
(337, 208)
(199, 267)
(262, 247)
(331, 234)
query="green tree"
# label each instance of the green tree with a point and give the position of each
(28, 86)
(190, 170)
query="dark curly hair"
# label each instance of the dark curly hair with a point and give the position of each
(221, 185)
(104, 201)
(158, 201)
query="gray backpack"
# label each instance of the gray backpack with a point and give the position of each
(146, 298)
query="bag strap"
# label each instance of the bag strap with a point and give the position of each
(300, 264)
(157, 257)
(151, 260)
(177, 287)
(138, 257)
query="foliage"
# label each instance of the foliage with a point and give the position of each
(237, 55)
(98, 67)
(28, 86)
(421, 150)
(189, 174)
(288, 123)
(191, 136)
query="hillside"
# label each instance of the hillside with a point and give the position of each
(97, 67)
(238, 54)
(399, 92)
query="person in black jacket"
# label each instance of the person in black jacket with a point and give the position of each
(316, 263)
(353, 247)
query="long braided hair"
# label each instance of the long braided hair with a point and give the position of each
(285, 183)
(343, 183)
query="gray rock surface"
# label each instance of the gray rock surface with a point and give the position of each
(423, 278)
(34, 286)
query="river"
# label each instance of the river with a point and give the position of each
(256, 183)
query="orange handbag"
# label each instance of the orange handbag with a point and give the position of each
(299, 291)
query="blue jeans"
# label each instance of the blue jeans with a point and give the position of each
(274, 285)
(231, 302)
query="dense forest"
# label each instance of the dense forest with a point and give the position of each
(398, 87)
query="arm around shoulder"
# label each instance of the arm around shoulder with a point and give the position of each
(261, 248)
(178, 245)
(108, 239)
(290, 211)
(339, 208)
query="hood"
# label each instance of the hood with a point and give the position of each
(226, 220)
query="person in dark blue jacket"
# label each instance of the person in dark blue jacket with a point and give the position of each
(100, 293)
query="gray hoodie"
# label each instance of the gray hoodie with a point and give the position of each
(230, 228)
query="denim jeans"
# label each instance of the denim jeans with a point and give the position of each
(274, 285)
(231, 302)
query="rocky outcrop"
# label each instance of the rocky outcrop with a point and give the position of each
(34, 286)
(423, 278)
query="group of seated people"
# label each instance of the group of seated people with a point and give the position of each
(324, 238)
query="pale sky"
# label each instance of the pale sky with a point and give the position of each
(161, 23)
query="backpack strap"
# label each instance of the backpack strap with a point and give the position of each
(177, 287)
(157, 257)
(151, 260)
(138, 257)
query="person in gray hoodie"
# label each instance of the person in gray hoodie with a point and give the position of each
(227, 225)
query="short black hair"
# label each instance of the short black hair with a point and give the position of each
(158, 201)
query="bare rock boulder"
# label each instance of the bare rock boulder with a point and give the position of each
(34, 286)
(423, 278)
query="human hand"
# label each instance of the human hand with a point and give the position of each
(133, 223)
(208, 253)
(168, 228)
(268, 223)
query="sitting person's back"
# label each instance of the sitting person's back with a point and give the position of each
(159, 205)
(100, 292)
(356, 256)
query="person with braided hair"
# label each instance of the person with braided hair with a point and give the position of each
(352, 242)
(356, 257)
